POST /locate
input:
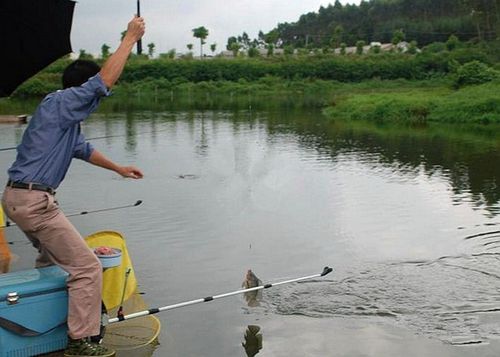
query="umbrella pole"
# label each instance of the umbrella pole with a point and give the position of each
(326, 271)
(139, 43)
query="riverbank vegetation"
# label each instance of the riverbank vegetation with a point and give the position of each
(435, 85)
(478, 104)
(449, 79)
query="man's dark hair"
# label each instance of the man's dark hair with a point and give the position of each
(79, 72)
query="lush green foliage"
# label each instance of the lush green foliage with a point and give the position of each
(326, 67)
(424, 21)
(478, 104)
(434, 61)
(373, 86)
(474, 72)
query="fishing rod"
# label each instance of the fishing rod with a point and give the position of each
(8, 148)
(152, 311)
(99, 138)
(8, 224)
(94, 138)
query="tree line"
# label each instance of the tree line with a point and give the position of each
(422, 21)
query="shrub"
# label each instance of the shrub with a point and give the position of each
(398, 37)
(413, 49)
(39, 86)
(253, 52)
(359, 47)
(375, 49)
(452, 43)
(288, 50)
(343, 47)
(474, 72)
(435, 47)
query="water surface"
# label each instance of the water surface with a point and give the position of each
(407, 217)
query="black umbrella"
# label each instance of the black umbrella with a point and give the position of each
(33, 34)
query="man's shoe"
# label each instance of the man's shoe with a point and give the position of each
(83, 348)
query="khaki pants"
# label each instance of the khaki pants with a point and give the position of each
(58, 242)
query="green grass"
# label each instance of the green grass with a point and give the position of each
(438, 102)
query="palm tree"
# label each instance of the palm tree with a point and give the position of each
(201, 33)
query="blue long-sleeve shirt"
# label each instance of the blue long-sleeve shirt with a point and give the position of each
(53, 136)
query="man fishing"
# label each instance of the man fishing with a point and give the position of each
(52, 139)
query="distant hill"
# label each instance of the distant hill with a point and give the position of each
(424, 21)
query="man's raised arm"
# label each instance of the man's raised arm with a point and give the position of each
(113, 67)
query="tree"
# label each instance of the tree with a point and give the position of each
(476, 16)
(359, 47)
(338, 33)
(272, 37)
(105, 51)
(253, 52)
(427, 21)
(235, 47)
(261, 39)
(413, 49)
(201, 33)
(230, 42)
(270, 50)
(343, 47)
(85, 56)
(190, 46)
(452, 43)
(213, 47)
(169, 55)
(398, 36)
(151, 49)
(245, 40)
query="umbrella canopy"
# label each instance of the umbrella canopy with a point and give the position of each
(33, 34)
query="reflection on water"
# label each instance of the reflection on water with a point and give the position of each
(462, 156)
(407, 217)
(253, 340)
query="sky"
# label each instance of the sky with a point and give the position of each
(169, 23)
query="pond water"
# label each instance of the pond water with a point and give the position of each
(408, 218)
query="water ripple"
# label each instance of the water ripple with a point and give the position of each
(445, 298)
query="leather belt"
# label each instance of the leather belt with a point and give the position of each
(31, 186)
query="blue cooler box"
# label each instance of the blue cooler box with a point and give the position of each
(33, 312)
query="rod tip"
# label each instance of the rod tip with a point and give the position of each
(326, 270)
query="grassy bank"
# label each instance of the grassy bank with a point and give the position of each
(404, 101)
(477, 104)
(456, 86)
